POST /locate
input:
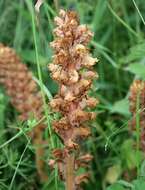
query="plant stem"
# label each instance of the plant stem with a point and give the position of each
(40, 164)
(69, 169)
(56, 3)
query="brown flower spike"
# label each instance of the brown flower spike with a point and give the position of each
(137, 107)
(24, 96)
(72, 69)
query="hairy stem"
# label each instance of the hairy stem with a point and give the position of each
(70, 185)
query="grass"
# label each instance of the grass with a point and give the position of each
(118, 42)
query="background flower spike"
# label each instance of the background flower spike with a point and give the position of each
(137, 108)
(25, 97)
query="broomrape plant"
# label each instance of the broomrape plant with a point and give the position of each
(72, 68)
(137, 108)
(25, 97)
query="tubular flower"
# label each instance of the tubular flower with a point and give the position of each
(72, 69)
(137, 107)
(24, 95)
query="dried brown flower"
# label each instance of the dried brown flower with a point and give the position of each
(72, 69)
(137, 107)
(24, 96)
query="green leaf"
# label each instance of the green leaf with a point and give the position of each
(29, 56)
(137, 69)
(129, 155)
(113, 173)
(115, 187)
(139, 184)
(136, 53)
(121, 107)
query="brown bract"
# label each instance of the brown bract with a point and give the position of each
(72, 68)
(137, 107)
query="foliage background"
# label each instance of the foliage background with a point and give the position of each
(119, 31)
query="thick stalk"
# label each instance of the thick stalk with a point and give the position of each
(40, 164)
(69, 169)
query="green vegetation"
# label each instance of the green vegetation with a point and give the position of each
(119, 44)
